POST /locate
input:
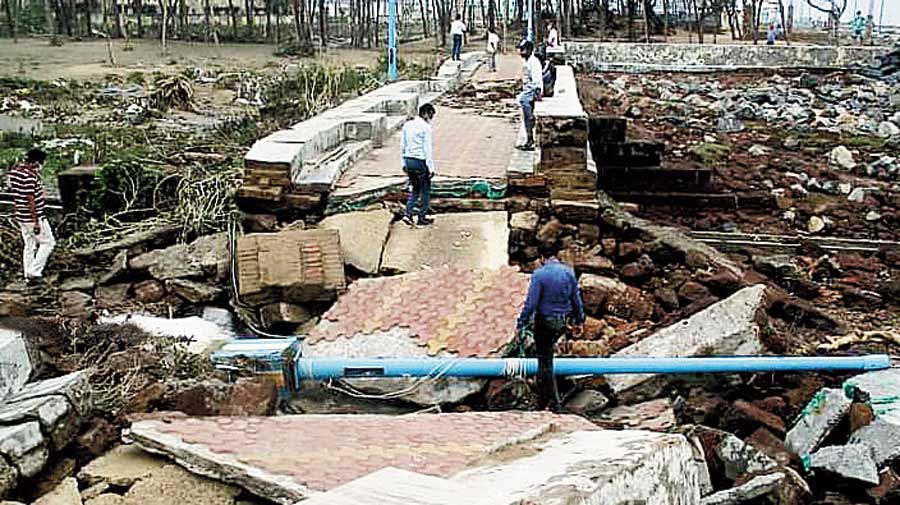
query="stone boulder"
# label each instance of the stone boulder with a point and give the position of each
(604, 295)
(206, 256)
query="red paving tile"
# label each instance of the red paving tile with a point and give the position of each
(323, 452)
(465, 312)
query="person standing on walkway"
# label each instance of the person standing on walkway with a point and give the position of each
(771, 36)
(493, 45)
(418, 163)
(29, 207)
(532, 90)
(554, 302)
(858, 27)
(457, 30)
(552, 35)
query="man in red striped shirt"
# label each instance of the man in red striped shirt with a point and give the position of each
(29, 206)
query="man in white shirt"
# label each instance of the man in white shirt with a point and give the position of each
(532, 90)
(552, 35)
(457, 30)
(493, 45)
(418, 163)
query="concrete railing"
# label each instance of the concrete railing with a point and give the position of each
(624, 57)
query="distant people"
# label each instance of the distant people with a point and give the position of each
(552, 35)
(870, 30)
(457, 30)
(772, 35)
(29, 207)
(418, 163)
(493, 45)
(858, 27)
(532, 90)
(548, 72)
(554, 302)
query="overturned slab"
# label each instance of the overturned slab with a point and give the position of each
(363, 237)
(731, 326)
(881, 390)
(319, 453)
(470, 239)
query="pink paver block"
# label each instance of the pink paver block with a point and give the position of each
(466, 145)
(466, 312)
(322, 452)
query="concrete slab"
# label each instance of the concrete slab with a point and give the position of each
(884, 439)
(15, 365)
(850, 461)
(47, 409)
(599, 467)
(754, 488)
(66, 493)
(289, 458)
(363, 237)
(471, 239)
(820, 416)
(74, 387)
(731, 326)
(392, 486)
(881, 390)
(122, 467)
(172, 484)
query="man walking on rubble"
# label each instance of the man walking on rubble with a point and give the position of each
(554, 301)
(532, 90)
(418, 163)
(29, 207)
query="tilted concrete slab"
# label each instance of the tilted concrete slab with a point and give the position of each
(15, 364)
(599, 467)
(731, 326)
(392, 486)
(289, 458)
(881, 390)
(363, 236)
(471, 239)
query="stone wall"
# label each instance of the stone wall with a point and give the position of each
(598, 56)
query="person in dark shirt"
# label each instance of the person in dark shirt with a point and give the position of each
(554, 301)
(29, 206)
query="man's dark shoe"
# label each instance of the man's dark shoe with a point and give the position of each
(407, 220)
(424, 221)
(526, 147)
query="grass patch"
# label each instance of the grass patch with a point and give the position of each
(711, 153)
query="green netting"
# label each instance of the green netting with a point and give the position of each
(450, 189)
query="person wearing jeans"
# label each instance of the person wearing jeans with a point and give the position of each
(418, 163)
(553, 301)
(532, 90)
(457, 30)
(29, 207)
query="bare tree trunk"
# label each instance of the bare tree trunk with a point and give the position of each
(248, 14)
(11, 20)
(424, 18)
(787, 39)
(268, 34)
(666, 20)
(234, 22)
(207, 24)
(51, 23)
(492, 15)
(322, 18)
(644, 8)
(165, 22)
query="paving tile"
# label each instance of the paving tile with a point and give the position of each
(463, 311)
(322, 452)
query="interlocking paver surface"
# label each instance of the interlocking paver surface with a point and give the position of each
(455, 309)
(466, 146)
(322, 452)
(509, 66)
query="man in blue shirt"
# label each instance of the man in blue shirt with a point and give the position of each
(554, 301)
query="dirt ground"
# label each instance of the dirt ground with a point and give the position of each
(88, 59)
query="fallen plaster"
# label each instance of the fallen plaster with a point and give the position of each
(731, 326)
(470, 239)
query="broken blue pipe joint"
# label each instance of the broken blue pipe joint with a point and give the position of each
(348, 368)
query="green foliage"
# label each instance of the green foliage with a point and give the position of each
(124, 185)
(314, 87)
(711, 153)
(408, 70)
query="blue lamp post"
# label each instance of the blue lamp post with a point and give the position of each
(392, 72)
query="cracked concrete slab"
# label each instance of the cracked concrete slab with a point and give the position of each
(471, 239)
(363, 236)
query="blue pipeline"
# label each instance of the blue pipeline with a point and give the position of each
(333, 368)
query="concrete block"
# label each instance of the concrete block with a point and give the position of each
(734, 456)
(46, 409)
(731, 326)
(15, 365)
(393, 486)
(819, 417)
(66, 493)
(74, 387)
(756, 487)
(122, 467)
(855, 461)
(884, 439)
(24, 446)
